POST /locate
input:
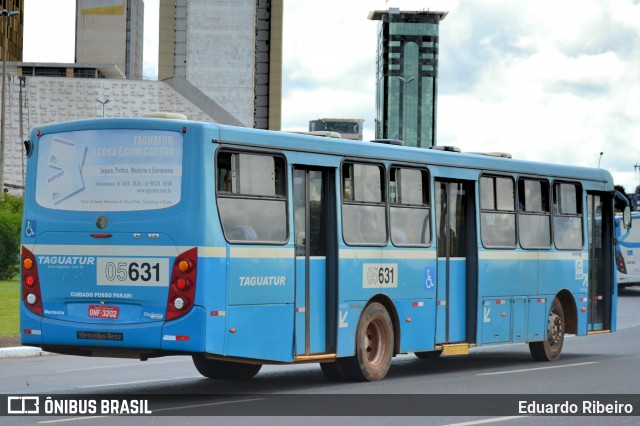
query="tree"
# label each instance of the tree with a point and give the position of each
(10, 220)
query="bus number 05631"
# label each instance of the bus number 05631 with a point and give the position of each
(133, 271)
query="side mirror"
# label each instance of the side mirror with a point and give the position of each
(28, 147)
(626, 218)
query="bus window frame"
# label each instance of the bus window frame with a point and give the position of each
(495, 209)
(580, 194)
(349, 162)
(426, 204)
(283, 185)
(523, 212)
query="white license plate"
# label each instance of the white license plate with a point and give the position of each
(131, 271)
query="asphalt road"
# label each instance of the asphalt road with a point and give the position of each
(589, 367)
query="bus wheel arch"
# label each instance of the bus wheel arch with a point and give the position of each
(570, 311)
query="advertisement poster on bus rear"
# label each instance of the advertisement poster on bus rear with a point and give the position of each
(109, 170)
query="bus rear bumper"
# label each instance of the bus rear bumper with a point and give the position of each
(157, 338)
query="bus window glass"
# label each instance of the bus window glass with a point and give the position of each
(409, 212)
(567, 219)
(363, 209)
(534, 217)
(505, 196)
(251, 197)
(497, 212)
(367, 183)
(567, 200)
(253, 220)
(486, 194)
(410, 186)
(364, 224)
(254, 174)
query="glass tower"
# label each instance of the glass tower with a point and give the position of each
(406, 75)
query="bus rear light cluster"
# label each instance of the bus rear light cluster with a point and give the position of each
(182, 289)
(30, 283)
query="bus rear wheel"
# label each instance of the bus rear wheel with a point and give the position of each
(374, 346)
(216, 369)
(549, 349)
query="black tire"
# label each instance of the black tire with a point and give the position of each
(549, 349)
(216, 369)
(429, 354)
(374, 346)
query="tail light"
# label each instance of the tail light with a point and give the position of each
(31, 295)
(622, 268)
(182, 289)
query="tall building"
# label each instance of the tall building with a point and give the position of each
(406, 75)
(230, 50)
(14, 35)
(111, 32)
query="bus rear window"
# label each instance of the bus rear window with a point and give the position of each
(109, 170)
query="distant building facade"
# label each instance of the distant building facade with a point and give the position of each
(347, 127)
(406, 75)
(16, 28)
(111, 32)
(231, 51)
(39, 94)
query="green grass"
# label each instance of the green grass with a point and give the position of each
(10, 312)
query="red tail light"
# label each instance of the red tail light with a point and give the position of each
(31, 295)
(620, 262)
(182, 289)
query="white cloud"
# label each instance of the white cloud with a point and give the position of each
(546, 80)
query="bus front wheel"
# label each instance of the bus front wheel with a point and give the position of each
(216, 369)
(549, 349)
(374, 346)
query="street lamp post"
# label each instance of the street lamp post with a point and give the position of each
(5, 15)
(103, 102)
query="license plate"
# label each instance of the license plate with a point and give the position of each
(102, 311)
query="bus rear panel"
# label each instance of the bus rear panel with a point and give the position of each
(107, 256)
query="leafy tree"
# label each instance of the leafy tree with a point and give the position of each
(10, 220)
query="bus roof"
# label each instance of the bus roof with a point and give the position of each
(345, 147)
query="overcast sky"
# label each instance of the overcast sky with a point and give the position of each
(555, 81)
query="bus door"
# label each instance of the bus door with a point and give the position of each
(600, 279)
(454, 225)
(315, 260)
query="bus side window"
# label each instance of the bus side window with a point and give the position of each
(567, 217)
(534, 217)
(251, 197)
(409, 207)
(363, 204)
(497, 211)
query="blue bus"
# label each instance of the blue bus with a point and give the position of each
(628, 252)
(240, 247)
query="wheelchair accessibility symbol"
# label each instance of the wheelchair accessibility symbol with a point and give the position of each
(428, 281)
(30, 230)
